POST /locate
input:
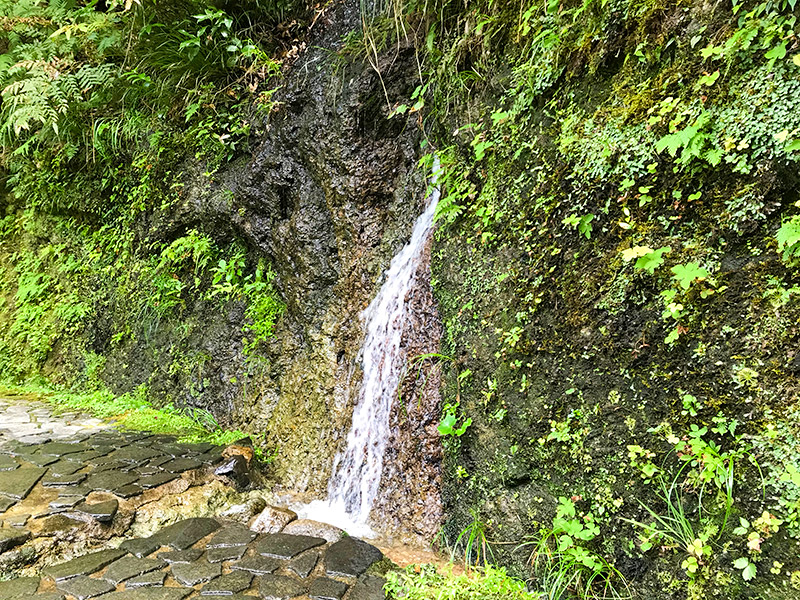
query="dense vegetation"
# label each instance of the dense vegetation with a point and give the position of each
(104, 104)
(615, 262)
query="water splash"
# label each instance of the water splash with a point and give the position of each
(357, 469)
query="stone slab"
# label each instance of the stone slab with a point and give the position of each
(350, 557)
(83, 565)
(368, 588)
(150, 593)
(82, 587)
(184, 534)
(140, 547)
(181, 556)
(258, 565)
(280, 587)
(216, 555)
(110, 481)
(232, 535)
(17, 484)
(282, 545)
(190, 574)
(17, 588)
(229, 584)
(152, 579)
(100, 511)
(12, 537)
(325, 588)
(130, 566)
(303, 564)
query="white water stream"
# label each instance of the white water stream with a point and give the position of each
(357, 469)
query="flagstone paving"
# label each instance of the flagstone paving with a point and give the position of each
(59, 474)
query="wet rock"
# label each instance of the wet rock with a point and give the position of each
(17, 588)
(83, 587)
(83, 565)
(236, 469)
(282, 545)
(190, 574)
(245, 511)
(279, 587)
(232, 535)
(258, 565)
(140, 547)
(303, 564)
(229, 584)
(350, 557)
(18, 483)
(101, 511)
(129, 566)
(315, 529)
(185, 533)
(151, 593)
(183, 556)
(10, 538)
(368, 588)
(216, 555)
(154, 578)
(324, 588)
(273, 519)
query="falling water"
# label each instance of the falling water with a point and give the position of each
(357, 469)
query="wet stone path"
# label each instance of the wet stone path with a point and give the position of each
(65, 478)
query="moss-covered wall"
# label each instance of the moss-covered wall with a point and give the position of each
(619, 298)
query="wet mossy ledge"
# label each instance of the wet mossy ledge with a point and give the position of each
(616, 266)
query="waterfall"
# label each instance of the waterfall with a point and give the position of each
(357, 468)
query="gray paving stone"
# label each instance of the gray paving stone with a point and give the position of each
(61, 449)
(350, 557)
(279, 587)
(229, 584)
(135, 453)
(179, 465)
(64, 467)
(216, 555)
(303, 564)
(232, 535)
(129, 491)
(368, 588)
(324, 588)
(6, 503)
(181, 556)
(101, 511)
(17, 588)
(63, 481)
(7, 463)
(184, 534)
(67, 501)
(190, 574)
(129, 566)
(83, 565)
(12, 537)
(281, 545)
(151, 481)
(140, 547)
(150, 593)
(152, 579)
(109, 481)
(47, 596)
(18, 483)
(83, 587)
(258, 565)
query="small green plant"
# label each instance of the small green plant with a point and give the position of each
(564, 563)
(788, 238)
(425, 582)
